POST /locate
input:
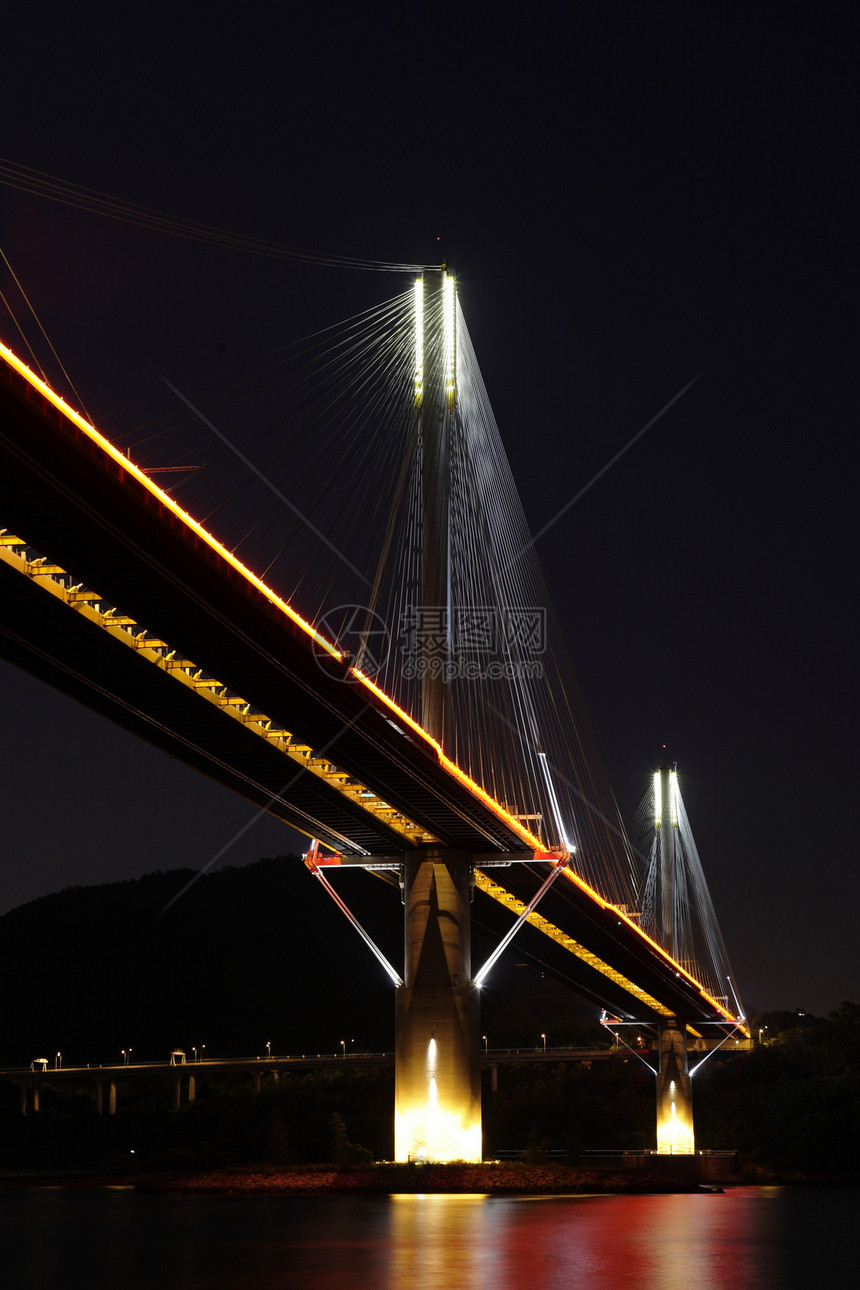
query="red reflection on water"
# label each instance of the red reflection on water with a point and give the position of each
(702, 1240)
(751, 1238)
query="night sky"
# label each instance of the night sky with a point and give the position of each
(631, 195)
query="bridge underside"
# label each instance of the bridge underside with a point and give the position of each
(608, 962)
(40, 635)
(67, 498)
(73, 502)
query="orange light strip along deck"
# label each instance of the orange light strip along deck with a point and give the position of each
(127, 464)
(678, 968)
(185, 671)
(518, 907)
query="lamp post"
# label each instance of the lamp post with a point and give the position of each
(484, 1037)
(343, 1047)
(543, 1037)
(194, 1051)
(268, 1048)
(58, 1061)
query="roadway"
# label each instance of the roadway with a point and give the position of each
(86, 509)
(312, 742)
(284, 1063)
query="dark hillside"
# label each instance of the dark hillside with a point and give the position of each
(247, 955)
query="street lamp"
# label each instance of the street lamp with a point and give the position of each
(343, 1046)
(543, 1037)
(58, 1061)
(194, 1051)
(484, 1037)
(268, 1048)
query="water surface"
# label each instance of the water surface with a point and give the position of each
(769, 1237)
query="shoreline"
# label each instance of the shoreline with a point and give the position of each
(392, 1179)
(491, 1179)
(382, 1179)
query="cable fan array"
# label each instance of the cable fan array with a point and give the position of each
(40, 184)
(310, 468)
(677, 909)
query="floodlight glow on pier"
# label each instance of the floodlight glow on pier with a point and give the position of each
(429, 1124)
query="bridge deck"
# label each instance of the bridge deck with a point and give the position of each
(92, 512)
(75, 499)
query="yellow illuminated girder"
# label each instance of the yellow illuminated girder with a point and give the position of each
(498, 893)
(192, 526)
(86, 602)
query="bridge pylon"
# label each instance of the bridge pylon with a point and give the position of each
(674, 1092)
(678, 913)
(435, 406)
(437, 1069)
(437, 1102)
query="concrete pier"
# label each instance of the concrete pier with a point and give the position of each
(437, 1098)
(674, 1093)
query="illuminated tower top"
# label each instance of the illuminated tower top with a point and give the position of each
(435, 328)
(435, 312)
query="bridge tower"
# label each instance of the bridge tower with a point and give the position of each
(668, 844)
(437, 1068)
(674, 1091)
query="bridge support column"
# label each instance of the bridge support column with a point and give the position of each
(437, 1111)
(674, 1094)
(111, 1098)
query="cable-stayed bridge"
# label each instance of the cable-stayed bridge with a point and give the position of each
(418, 717)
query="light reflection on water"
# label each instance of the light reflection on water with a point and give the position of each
(749, 1237)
